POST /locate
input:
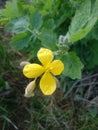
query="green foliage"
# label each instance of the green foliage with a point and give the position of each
(11, 10)
(83, 21)
(81, 17)
(72, 65)
(48, 39)
(36, 20)
(20, 41)
(38, 24)
(19, 25)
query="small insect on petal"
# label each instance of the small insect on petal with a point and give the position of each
(29, 91)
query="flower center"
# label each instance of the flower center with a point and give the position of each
(48, 68)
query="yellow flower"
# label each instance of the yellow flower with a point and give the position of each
(47, 70)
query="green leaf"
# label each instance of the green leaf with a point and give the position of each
(49, 23)
(37, 20)
(48, 39)
(19, 25)
(81, 17)
(11, 10)
(72, 65)
(83, 32)
(20, 41)
(95, 9)
(83, 21)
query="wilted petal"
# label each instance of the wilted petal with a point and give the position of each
(47, 84)
(33, 70)
(30, 88)
(56, 67)
(45, 56)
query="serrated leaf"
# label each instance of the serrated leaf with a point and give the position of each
(11, 10)
(36, 20)
(19, 25)
(20, 41)
(48, 39)
(72, 65)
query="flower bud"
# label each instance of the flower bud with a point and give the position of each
(30, 88)
(57, 83)
(23, 63)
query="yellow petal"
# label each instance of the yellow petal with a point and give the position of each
(30, 88)
(33, 70)
(47, 84)
(56, 67)
(45, 56)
